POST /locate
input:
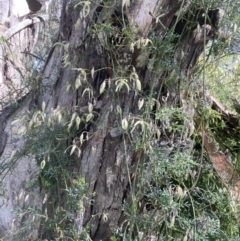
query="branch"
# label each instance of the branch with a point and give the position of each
(228, 116)
(224, 169)
(24, 24)
(14, 30)
(221, 164)
(33, 55)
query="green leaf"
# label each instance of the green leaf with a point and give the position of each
(140, 103)
(138, 84)
(102, 87)
(90, 107)
(78, 121)
(124, 124)
(92, 72)
(73, 149)
(77, 82)
(43, 106)
(43, 163)
(89, 117)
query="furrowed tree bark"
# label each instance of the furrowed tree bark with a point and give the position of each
(108, 160)
(19, 35)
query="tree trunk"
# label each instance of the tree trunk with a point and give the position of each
(107, 62)
(20, 61)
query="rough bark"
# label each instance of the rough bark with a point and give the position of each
(108, 160)
(19, 35)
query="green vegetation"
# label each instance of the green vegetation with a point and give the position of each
(174, 191)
